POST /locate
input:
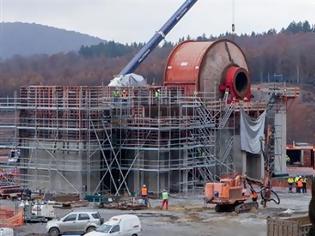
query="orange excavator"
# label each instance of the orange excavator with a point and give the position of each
(236, 193)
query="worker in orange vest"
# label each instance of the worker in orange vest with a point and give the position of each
(144, 194)
(254, 196)
(300, 185)
(296, 179)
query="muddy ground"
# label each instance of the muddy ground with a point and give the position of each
(187, 216)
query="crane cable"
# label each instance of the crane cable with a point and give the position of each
(233, 20)
(233, 16)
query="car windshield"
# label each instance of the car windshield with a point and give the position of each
(104, 228)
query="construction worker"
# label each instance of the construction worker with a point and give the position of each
(165, 199)
(288, 160)
(290, 183)
(124, 93)
(238, 180)
(296, 179)
(300, 185)
(254, 196)
(157, 93)
(304, 181)
(144, 194)
(116, 95)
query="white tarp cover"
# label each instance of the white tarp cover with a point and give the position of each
(252, 130)
(129, 80)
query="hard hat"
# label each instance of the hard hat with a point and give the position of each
(144, 185)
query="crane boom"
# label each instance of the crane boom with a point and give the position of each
(157, 38)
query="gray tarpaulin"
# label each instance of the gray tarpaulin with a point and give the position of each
(251, 132)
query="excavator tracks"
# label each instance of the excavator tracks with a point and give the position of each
(246, 207)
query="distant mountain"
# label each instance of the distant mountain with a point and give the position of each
(28, 39)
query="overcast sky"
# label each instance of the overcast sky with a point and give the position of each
(137, 20)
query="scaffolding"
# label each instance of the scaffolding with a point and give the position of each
(59, 150)
(168, 140)
(101, 139)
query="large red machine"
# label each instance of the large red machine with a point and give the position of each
(209, 67)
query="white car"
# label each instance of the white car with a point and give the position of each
(122, 225)
(74, 222)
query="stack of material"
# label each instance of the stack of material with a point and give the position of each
(68, 201)
(66, 197)
(127, 204)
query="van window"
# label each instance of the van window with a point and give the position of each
(104, 228)
(115, 229)
(71, 217)
(84, 216)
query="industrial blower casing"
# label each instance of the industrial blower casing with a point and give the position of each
(202, 66)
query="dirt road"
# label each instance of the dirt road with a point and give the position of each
(187, 216)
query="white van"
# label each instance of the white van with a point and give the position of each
(122, 225)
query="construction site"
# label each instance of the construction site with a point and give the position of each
(206, 122)
(87, 140)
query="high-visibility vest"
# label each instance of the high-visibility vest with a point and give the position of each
(304, 180)
(144, 191)
(300, 183)
(116, 93)
(296, 179)
(290, 180)
(165, 195)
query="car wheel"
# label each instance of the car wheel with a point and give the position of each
(90, 229)
(54, 232)
(135, 235)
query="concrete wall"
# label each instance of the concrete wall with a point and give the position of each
(61, 171)
(157, 177)
(247, 163)
(280, 135)
(237, 155)
(254, 165)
